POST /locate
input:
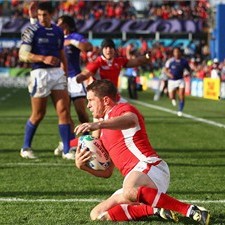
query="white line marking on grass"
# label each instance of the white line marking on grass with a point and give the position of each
(210, 122)
(48, 200)
(36, 164)
(92, 200)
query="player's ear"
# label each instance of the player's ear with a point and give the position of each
(106, 100)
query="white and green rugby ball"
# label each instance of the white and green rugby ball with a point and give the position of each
(100, 159)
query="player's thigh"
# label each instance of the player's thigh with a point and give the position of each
(172, 87)
(60, 100)
(146, 174)
(80, 104)
(133, 181)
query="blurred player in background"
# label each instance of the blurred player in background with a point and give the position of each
(42, 45)
(74, 43)
(109, 64)
(174, 69)
(147, 176)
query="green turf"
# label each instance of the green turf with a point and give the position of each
(52, 191)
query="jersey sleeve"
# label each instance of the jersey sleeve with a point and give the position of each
(28, 34)
(167, 64)
(123, 61)
(93, 66)
(124, 108)
(78, 37)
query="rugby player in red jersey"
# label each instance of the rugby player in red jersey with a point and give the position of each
(146, 175)
(108, 66)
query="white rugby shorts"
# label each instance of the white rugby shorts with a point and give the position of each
(174, 84)
(75, 89)
(159, 174)
(43, 81)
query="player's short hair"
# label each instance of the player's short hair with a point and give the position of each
(46, 6)
(103, 88)
(69, 20)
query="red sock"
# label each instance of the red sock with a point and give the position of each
(125, 212)
(151, 197)
(74, 142)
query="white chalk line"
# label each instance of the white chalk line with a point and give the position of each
(36, 164)
(210, 122)
(93, 200)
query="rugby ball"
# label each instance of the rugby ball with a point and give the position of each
(100, 159)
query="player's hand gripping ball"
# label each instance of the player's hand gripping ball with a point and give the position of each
(100, 159)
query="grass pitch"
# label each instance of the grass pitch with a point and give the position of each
(50, 190)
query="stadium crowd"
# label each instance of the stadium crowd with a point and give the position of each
(82, 10)
(199, 59)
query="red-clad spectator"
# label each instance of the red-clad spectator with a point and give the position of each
(98, 14)
(119, 10)
(165, 12)
(109, 10)
(144, 46)
(15, 3)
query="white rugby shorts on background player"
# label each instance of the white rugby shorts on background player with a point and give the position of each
(43, 81)
(159, 174)
(75, 89)
(174, 84)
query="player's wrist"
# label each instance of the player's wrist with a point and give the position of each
(74, 43)
(99, 125)
(33, 20)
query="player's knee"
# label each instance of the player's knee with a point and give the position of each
(64, 115)
(94, 215)
(36, 118)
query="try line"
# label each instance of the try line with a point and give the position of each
(210, 122)
(91, 200)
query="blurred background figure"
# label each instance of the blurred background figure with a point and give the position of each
(174, 69)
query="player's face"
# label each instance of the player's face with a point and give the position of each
(44, 18)
(108, 52)
(95, 105)
(176, 53)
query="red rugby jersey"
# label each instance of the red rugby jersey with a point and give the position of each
(109, 70)
(127, 147)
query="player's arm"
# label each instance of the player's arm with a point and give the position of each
(25, 55)
(81, 159)
(126, 121)
(33, 12)
(83, 46)
(168, 73)
(84, 75)
(141, 60)
(63, 61)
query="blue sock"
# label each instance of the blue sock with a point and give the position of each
(30, 130)
(64, 131)
(181, 105)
